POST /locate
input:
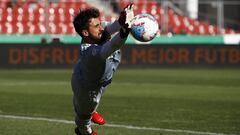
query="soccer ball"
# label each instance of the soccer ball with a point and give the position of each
(144, 27)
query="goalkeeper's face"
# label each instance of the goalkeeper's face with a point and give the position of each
(95, 30)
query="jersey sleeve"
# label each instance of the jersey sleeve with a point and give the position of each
(113, 27)
(111, 46)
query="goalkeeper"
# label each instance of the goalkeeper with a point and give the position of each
(99, 58)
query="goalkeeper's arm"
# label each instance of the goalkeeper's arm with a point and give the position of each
(125, 20)
(115, 43)
(124, 24)
(113, 27)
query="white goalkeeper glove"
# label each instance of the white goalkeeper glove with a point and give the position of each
(126, 17)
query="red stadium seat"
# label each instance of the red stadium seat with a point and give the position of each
(26, 28)
(71, 29)
(3, 28)
(30, 17)
(9, 28)
(124, 3)
(5, 14)
(1, 15)
(151, 7)
(62, 28)
(14, 27)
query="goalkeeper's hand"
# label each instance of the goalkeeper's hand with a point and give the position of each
(126, 17)
(125, 20)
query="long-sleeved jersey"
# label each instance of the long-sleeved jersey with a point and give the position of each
(97, 63)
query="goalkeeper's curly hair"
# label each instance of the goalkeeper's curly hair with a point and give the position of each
(80, 21)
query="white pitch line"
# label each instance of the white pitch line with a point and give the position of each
(113, 125)
(40, 83)
(53, 83)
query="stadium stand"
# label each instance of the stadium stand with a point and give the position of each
(31, 17)
(177, 24)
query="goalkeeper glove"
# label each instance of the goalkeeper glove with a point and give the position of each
(126, 16)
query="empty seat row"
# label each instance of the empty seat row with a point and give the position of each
(56, 18)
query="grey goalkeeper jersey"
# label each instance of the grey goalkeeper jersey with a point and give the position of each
(97, 63)
(92, 70)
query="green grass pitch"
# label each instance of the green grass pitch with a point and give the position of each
(186, 101)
